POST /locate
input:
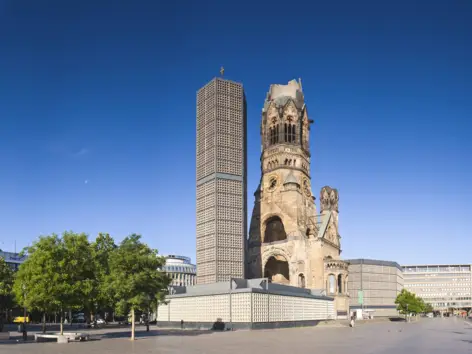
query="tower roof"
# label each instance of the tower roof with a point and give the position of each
(280, 94)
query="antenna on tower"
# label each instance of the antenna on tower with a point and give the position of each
(222, 71)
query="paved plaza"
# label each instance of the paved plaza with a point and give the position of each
(448, 335)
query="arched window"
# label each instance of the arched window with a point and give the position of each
(275, 230)
(301, 280)
(289, 132)
(331, 284)
(273, 135)
(340, 284)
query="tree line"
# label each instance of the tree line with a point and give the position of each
(69, 272)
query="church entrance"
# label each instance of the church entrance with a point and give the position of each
(276, 269)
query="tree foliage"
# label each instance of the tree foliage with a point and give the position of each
(428, 308)
(58, 274)
(408, 302)
(68, 272)
(102, 249)
(135, 278)
(6, 285)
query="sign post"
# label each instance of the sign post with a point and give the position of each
(360, 297)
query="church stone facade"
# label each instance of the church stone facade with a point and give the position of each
(289, 241)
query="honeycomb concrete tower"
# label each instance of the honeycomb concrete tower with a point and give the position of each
(289, 242)
(221, 181)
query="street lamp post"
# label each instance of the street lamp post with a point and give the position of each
(407, 318)
(25, 334)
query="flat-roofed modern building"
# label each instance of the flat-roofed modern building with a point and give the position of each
(181, 270)
(379, 283)
(443, 286)
(13, 259)
(221, 181)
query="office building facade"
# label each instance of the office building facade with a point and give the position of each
(445, 287)
(12, 259)
(373, 285)
(181, 270)
(221, 181)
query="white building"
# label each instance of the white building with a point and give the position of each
(181, 270)
(244, 304)
(443, 286)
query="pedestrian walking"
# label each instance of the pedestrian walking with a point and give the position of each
(352, 321)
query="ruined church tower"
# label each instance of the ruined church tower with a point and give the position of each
(289, 242)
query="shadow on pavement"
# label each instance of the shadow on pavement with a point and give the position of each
(17, 340)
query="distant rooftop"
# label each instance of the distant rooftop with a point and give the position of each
(374, 262)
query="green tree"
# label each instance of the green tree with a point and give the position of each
(135, 278)
(408, 302)
(58, 274)
(102, 249)
(33, 286)
(428, 308)
(6, 284)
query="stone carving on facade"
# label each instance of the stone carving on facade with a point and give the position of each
(329, 199)
(290, 112)
(336, 265)
(331, 234)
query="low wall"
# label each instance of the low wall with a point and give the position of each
(245, 308)
(235, 325)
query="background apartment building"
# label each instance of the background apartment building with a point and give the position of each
(443, 286)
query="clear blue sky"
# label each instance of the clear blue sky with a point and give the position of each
(97, 115)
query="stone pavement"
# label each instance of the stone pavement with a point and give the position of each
(428, 336)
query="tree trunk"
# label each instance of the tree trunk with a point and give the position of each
(132, 323)
(62, 323)
(44, 322)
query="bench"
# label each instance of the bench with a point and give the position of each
(57, 337)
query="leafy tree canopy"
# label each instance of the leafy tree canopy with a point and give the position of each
(135, 278)
(408, 302)
(57, 275)
(102, 249)
(6, 283)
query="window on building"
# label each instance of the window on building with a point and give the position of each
(331, 284)
(289, 132)
(301, 280)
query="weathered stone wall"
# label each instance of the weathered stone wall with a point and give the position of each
(289, 241)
